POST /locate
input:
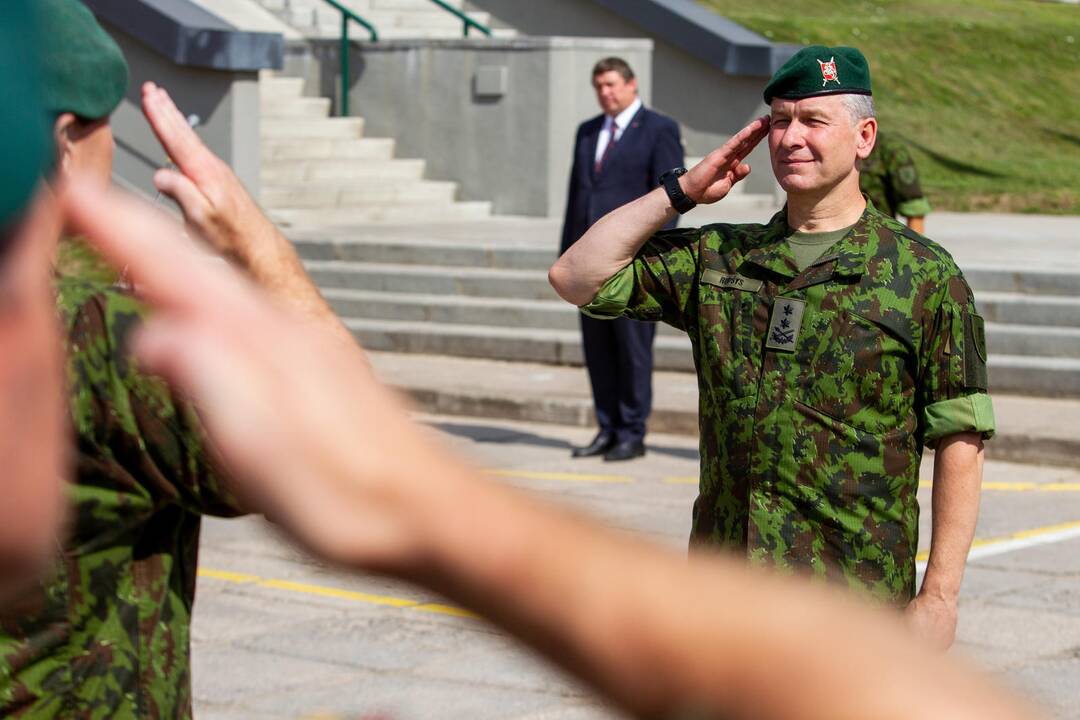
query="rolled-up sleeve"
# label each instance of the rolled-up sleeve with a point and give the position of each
(954, 390)
(657, 286)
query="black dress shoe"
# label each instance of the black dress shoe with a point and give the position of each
(600, 445)
(625, 451)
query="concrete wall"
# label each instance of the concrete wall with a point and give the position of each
(227, 103)
(709, 105)
(515, 148)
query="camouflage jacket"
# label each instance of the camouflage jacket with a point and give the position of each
(108, 635)
(817, 389)
(889, 178)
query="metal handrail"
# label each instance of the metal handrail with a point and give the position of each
(346, 16)
(465, 19)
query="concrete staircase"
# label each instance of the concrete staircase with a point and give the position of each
(482, 292)
(393, 19)
(318, 170)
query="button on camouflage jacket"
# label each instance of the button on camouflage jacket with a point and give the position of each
(108, 635)
(889, 178)
(818, 389)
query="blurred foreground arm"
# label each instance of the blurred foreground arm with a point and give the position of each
(33, 430)
(653, 632)
(216, 205)
(613, 241)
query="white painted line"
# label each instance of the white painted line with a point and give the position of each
(1017, 541)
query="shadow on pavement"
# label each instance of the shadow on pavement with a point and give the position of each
(496, 435)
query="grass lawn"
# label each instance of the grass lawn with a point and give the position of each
(987, 92)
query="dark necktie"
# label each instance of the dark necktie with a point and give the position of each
(607, 149)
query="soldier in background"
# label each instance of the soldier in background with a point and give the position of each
(889, 178)
(107, 633)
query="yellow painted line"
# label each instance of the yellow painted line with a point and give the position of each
(1037, 532)
(561, 477)
(1018, 540)
(227, 576)
(681, 480)
(332, 592)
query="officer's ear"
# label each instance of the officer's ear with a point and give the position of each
(865, 137)
(66, 132)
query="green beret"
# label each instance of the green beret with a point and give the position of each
(85, 72)
(819, 70)
(24, 133)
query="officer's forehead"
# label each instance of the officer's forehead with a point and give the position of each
(826, 105)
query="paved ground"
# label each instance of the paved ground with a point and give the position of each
(277, 636)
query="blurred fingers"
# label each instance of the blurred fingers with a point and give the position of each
(179, 187)
(171, 271)
(173, 131)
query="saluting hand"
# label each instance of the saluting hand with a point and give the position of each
(308, 435)
(712, 178)
(213, 200)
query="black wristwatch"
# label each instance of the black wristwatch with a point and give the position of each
(679, 200)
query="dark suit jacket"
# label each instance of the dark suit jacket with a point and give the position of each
(649, 147)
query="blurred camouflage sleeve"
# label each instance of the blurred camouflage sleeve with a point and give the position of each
(907, 192)
(657, 286)
(953, 380)
(134, 418)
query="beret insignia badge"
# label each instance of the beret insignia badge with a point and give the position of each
(828, 72)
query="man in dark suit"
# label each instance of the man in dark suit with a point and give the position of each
(618, 156)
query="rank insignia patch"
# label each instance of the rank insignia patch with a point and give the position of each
(828, 72)
(785, 323)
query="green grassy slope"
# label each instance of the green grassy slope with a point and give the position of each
(986, 91)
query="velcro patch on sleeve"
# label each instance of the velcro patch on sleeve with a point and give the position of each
(974, 352)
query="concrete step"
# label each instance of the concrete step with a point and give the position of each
(279, 87)
(1022, 309)
(313, 149)
(1033, 282)
(359, 6)
(273, 108)
(290, 172)
(1030, 430)
(1046, 341)
(558, 315)
(313, 128)
(433, 280)
(1047, 377)
(327, 18)
(249, 16)
(429, 252)
(449, 32)
(1030, 297)
(338, 195)
(356, 216)
(556, 347)
(455, 310)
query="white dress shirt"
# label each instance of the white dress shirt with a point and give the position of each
(618, 124)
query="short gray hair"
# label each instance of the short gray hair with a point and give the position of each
(859, 107)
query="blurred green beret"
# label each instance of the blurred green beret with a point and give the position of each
(819, 70)
(24, 133)
(85, 72)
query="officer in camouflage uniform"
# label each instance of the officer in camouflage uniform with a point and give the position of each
(107, 636)
(889, 179)
(831, 344)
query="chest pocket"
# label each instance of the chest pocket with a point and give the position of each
(856, 370)
(729, 360)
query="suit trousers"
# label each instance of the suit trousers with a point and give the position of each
(619, 356)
